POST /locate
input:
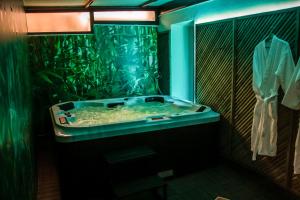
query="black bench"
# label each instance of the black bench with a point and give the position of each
(125, 155)
(132, 171)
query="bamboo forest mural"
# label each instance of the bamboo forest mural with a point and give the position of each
(115, 61)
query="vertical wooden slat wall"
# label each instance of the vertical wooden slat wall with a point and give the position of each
(224, 52)
(250, 31)
(213, 79)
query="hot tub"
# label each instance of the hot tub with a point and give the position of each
(88, 120)
(183, 135)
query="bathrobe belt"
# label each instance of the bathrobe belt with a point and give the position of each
(267, 99)
(264, 110)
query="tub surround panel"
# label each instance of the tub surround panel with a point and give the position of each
(186, 149)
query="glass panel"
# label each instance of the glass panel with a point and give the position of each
(58, 22)
(124, 16)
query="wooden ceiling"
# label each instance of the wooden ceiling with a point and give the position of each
(160, 5)
(53, 3)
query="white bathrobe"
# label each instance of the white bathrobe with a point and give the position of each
(271, 68)
(292, 100)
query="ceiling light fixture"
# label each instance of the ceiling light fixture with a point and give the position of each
(121, 16)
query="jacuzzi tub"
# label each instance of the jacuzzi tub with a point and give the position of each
(183, 135)
(96, 119)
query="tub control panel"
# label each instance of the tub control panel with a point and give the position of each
(63, 120)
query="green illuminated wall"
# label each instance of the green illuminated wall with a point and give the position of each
(182, 62)
(17, 179)
(16, 161)
(115, 61)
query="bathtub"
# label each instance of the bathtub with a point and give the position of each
(184, 137)
(185, 114)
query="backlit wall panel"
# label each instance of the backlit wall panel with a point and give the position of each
(58, 22)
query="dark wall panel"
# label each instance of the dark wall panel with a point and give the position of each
(224, 82)
(163, 49)
(213, 71)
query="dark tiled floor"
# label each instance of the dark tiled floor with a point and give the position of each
(48, 183)
(222, 180)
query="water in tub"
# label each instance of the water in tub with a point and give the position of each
(103, 115)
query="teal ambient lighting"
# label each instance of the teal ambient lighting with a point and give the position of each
(182, 57)
(240, 11)
(215, 10)
(158, 3)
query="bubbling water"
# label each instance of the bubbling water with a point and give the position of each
(91, 115)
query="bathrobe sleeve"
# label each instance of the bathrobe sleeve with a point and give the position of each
(256, 73)
(285, 68)
(291, 98)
